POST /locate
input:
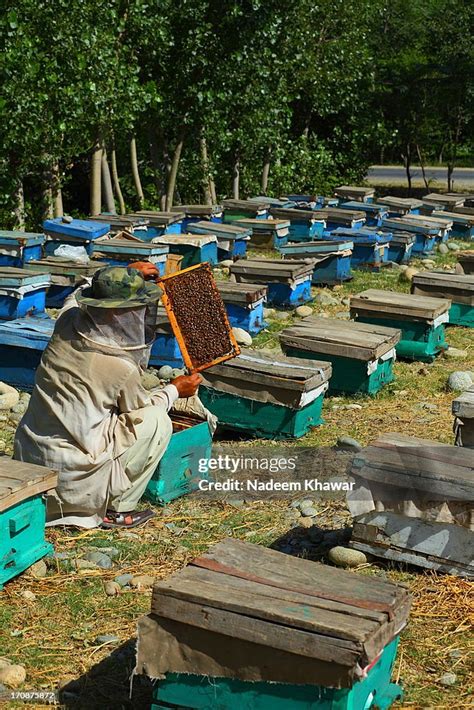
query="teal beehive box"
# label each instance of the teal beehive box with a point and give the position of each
(22, 516)
(178, 471)
(273, 397)
(248, 627)
(421, 320)
(361, 354)
(458, 288)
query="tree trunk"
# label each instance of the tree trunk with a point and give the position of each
(236, 178)
(174, 171)
(19, 208)
(205, 170)
(407, 164)
(115, 178)
(135, 172)
(450, 175)
(48, 212)
(58, 207)
(265, 172)
(95, 179)
(107, 185)
(422, 165)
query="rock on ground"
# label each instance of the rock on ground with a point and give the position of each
(164, 373)
(123, 579)
(460, 381)
(29, 596)
(38, 569)
(443, 249)
(142, 581)
(407, 275)
(348, 443)
(455, 353)
(112, 589)
(304, 311)
(269, 312)
(346, 557)
(448, 679)
(452, 246)
(12, 676)
(226, 263)
(9, 396)
(242, 337)
(325, 299)
(150, 380)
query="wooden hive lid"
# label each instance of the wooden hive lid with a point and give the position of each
(439, 470)
(444, 199)
(441, 222)
(332, 336)
(456, 217)
(197, 209)
(159, 218)
(352, 189)
(274, 370)
(264, 224)
(233, 292)
(248, 205)
(338, 213)
(463, 406)
(463, 282)
(14, 277)
(463, 210)
(293, 215)
(19, 481)
(121, 221)
(265, 268)
(195, 240)
(57, 265)
(224, 229)
(250, 592)
(402, 304)
(394, 201)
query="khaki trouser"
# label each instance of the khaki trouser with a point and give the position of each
(142, 458)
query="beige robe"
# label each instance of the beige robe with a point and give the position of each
(81, 419)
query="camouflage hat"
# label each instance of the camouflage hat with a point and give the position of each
(119, 287)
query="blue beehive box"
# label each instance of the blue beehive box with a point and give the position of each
(356, 194)
(289, 282)
(399, 206)
(65, 276)
(22, 342)
(17, 248)
(336, 218)
(370, 249)
(77, 233)
(305, 225)
(22, 515)
(123, 250)
(266, 233)
(374, 213)
(458, 288)
(328, 642)
(178, 471)
(425, 237)
(198, 213)
(271, 397)
(165, 349)
(400, 247)
(22, 292)
(160, 223)
(231, 238)
(361, 355)
(194, 248)
(244, 304)
(463, 224)
(332, 259)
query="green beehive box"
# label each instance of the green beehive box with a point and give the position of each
(22, 516)
(361, 354)
(458, 288)
(248, 627)
(272, 397)
(204, 693)
(421, 320)
(178, 471)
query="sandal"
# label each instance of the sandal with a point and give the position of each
(112, 519)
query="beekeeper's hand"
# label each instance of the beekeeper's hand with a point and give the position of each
(147, 270)
(187, 385)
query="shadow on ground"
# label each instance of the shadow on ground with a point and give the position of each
(107, 685)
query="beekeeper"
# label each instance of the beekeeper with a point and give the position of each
(89, 417)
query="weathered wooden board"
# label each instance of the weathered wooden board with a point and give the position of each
(443, 547)
(158, 218)
(250, 592)
(463, 406)
(233, 292)
(399, 304)
(455, 217)
(463, 210)
(458, 287)
(352, 191)
(403, 202)
(295, 215)
(246, 205)
(361, 341)
(197, 209)
(19, 480)
(443, 199)
(444, 472)
(335, 214)
(268, 270)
